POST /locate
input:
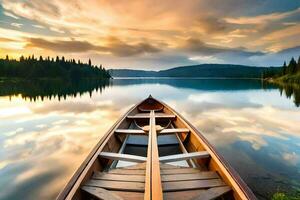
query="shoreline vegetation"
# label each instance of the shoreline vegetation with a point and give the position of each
(289, 74)
(31, 68)
(284, 196)
(287, 78)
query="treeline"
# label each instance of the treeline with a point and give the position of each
(293, 68)
(31, 67)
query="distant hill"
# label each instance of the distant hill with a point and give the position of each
(203, 70)
(131, 73)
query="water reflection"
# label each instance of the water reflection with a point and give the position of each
(253, 127)
(41, 89)
(291, 91)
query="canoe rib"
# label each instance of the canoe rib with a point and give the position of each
(213, 193)
(145, 116)
(162, 132)
(124, 157)
(185, 156)
(101, 193)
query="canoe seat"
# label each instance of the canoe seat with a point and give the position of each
(145, 116)
(177, 183)
(184, 156)
(160, 132)
(124, 157)
(117, 184)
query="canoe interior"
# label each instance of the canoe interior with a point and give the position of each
(154, 153)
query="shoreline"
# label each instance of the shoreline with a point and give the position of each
(177, 77)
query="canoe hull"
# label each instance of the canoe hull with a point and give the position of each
(114, 141)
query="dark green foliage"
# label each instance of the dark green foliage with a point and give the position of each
(283, 196)
(46, 68)
(292, 69)
(298, 65)
(284, 68)
(272, 72)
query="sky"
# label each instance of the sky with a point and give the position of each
(152, 34)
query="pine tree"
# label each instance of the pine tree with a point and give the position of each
(284, 68)
(298, 65)
(90, 62)
(292, 66)
(7, 58)
(21, 58)
(57, 59)
(41, 58)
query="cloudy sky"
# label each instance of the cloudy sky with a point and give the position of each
(152, 34)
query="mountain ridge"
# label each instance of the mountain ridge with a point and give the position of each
(201, 70)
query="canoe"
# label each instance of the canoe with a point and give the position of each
(152, 152)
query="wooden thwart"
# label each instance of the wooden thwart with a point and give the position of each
(116, 185)
(119, 177)
(169, 166)
(136, 166)
(186, 177)
(174, 130)
(185, 156)
(101, 193)
(130, 131)
(199, 194)
(127, 171)
(129, 195)
(124, 157)
(190, 185)
(179, 171)
(213, 193)
(162, 132)
(145, 116)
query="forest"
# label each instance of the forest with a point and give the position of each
(50, 68)
(287, 73)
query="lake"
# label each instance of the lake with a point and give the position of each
(47, 129)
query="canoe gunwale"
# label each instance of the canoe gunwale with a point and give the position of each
(91, 156)
(230, 170)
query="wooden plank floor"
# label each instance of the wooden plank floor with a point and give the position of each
(177, 183)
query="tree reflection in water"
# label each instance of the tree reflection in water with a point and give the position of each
(47, 89)
(34, 90)
(289, 90)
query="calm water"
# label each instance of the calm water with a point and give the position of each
(46, 130)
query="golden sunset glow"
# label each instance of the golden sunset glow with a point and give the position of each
(152, 34)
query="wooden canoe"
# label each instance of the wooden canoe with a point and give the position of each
(152, 152)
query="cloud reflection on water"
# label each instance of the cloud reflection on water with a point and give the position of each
(42, 147)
